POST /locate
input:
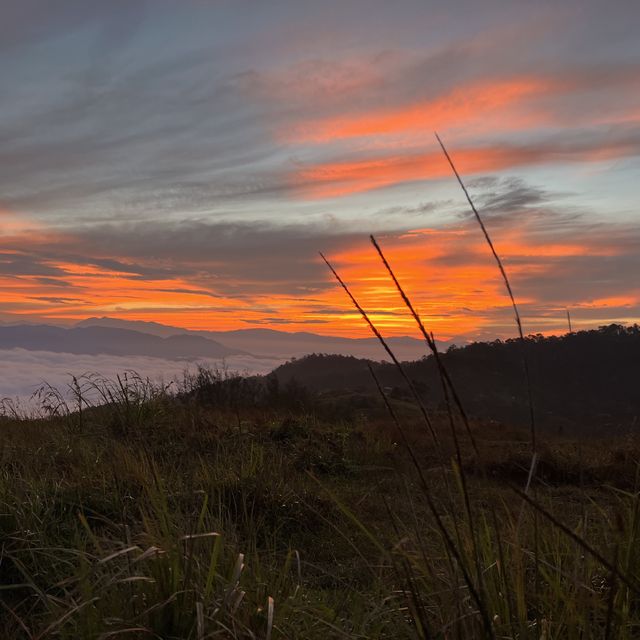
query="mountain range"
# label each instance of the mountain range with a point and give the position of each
(95, 340)
(112, 336)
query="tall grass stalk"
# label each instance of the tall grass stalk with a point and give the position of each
(507, 284)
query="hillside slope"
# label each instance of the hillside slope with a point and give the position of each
(580, 380)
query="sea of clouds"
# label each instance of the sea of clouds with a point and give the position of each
(23, 371)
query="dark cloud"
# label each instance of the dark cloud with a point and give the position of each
(54, 282)
(511, 201)
(25, 265)
(282, 321)
(144, 271)
(506, 195)
(570, 280)
(212, 310)
(414, 211)
(236, 259)
(327, 311)
(195, 292)
(56, 300)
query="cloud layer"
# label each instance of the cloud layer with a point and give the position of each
(27, 371)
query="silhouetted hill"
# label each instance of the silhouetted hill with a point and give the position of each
(110, 341)
(587, 379)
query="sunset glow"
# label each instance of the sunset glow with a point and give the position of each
(193, 182)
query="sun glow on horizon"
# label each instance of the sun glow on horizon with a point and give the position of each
(448, 273)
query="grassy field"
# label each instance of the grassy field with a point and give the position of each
(227, 513)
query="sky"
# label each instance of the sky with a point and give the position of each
(185, 161)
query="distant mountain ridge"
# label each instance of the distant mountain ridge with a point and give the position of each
(96, 340)
(271, 342)
(112, 336)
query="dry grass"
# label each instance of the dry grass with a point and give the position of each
(137, 532)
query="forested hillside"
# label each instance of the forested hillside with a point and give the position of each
(585, 380)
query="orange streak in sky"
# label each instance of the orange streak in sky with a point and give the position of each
(458, 108)
(448, 273)
(335, 179)
(343, 178)
(611, 301)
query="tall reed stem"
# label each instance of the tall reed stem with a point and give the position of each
(505, 278)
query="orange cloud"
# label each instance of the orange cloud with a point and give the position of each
(336, 179)
(463, 107)
(451, 298)
(455, 285)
